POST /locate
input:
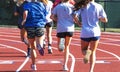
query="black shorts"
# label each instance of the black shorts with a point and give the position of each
(49, 24)
(20, 26)
(33, 32)
(64, 34)
(91, 39)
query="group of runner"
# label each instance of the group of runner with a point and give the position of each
(38, 15)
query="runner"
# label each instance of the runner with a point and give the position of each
(62, 13)
(91, 13)
(34, 20)
(49, 25)
(19, 12)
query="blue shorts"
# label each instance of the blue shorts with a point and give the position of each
(91, 39)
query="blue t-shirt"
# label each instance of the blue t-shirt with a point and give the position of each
(36, 14)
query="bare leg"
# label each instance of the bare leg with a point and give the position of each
(33, 52)
(93, 47)
(49, 39)
(39, 43)
(84, 46)
(49, 36)
(66, 52)
(39, 40)
(25, 40)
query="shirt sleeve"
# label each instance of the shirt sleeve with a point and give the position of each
(102, 13)
(26, 7)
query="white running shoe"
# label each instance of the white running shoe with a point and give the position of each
(33, 67)
(65, 68)
(61, 44)
(87, 56)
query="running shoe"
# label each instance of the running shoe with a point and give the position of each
(65, 68)
(40, 49)
(33, 67)
(28, 52)
(61, 44)
(87, 56)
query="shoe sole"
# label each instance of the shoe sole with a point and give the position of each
(65, 68)
(61, 44)
(40, 49)
(87, 56)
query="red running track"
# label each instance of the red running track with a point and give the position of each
(13, 54)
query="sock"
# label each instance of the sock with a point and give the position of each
(49, 46)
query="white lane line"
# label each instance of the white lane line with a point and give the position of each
(73, 61)
(73, 58)
(6, 62)
(14, 48)
(105, 50)
(102, 62)
(25, 61)
(49, 62)
(23, 64)
(109, 53)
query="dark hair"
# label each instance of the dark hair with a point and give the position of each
(64, 0)
(80, 4)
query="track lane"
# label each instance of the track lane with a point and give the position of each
(107, 54)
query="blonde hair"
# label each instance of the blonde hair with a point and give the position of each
(44, 1)
(19, 2)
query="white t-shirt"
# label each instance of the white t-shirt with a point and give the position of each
(65, 21)
(49, 10)
(90, 18)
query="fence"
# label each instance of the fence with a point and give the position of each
(112, 9)
(6, 12)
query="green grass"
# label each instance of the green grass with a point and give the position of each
(117, 30)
